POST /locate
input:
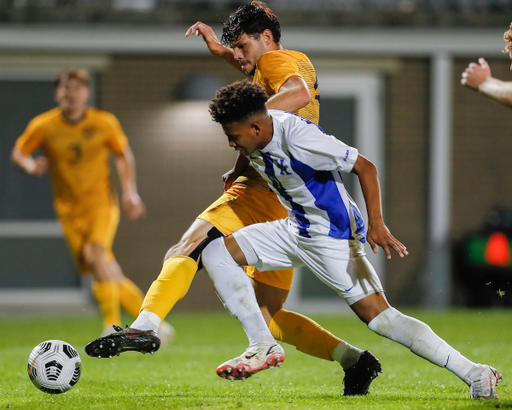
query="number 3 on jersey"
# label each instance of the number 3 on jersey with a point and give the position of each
(76, 152)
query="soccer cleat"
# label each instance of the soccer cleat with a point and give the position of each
(359, 376)
(123, 340)
(484, 386)
(254, 360)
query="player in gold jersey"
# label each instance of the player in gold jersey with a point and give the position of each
(76, 141)
(252, 36)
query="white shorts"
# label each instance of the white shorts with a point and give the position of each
(339, 263)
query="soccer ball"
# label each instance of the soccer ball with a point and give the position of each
(54, 366)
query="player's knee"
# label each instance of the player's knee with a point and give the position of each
(184, 247)
(93, 252)
(193, 245)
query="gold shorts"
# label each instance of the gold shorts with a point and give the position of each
(247, 204)
(89, 222)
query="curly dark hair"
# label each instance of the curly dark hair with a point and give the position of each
(237, 102)
(251, 19)
(508, 38)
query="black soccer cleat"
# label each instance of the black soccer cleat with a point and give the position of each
(359, 376)
(123, 340)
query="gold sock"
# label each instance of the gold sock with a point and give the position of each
(170, 286)
(131, 297)
(107, 295)
(306, 335)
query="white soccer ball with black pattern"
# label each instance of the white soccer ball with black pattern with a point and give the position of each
(54, 366)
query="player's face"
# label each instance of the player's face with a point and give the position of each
(72, 95)
(248, 50)
(243, 137)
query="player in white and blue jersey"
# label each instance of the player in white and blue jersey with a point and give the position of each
(324, 231)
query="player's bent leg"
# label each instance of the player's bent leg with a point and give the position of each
(421, 340)
(236, 292)
(171, 285)
(361, 368)
(178, 271)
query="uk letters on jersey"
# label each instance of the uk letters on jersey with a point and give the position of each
(304, 167)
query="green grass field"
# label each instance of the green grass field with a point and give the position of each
(182, 375)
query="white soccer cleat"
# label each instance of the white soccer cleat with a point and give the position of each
(166, 333)
(484, 386)
(254, 360)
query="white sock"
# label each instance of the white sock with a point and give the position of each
(421, 340)
(346, 354)
(236, 292)
(147, 321)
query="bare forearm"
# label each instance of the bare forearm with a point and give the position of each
(369, 181)
(497, 90)
(132, 205)
(126, 169)
(227, 55)
(213, 43)
(23, 162)
(27, 163)
(292, 96)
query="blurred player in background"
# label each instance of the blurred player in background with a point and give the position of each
(251, 42)
(478, 77)
(327, 235)
(76, 141)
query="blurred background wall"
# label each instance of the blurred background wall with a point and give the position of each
(443, 151)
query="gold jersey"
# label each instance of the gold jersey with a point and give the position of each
(272, 70)
(275, 67)
(77, 153)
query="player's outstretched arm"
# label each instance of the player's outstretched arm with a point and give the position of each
(378, 233)
(132, 205)
(29, 164)
(477, 77)
(213, 43)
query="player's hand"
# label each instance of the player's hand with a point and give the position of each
(133, 207)
(38, 166)
(209, 37)
(228, 178)
(380, 235)
(475, 74)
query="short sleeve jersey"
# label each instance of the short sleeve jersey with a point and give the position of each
(304, 167)
(275, 67)
(77, 153)
(272, 70)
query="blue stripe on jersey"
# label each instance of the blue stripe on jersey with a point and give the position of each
(322, 186)
(297, 209)
(361, 230)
